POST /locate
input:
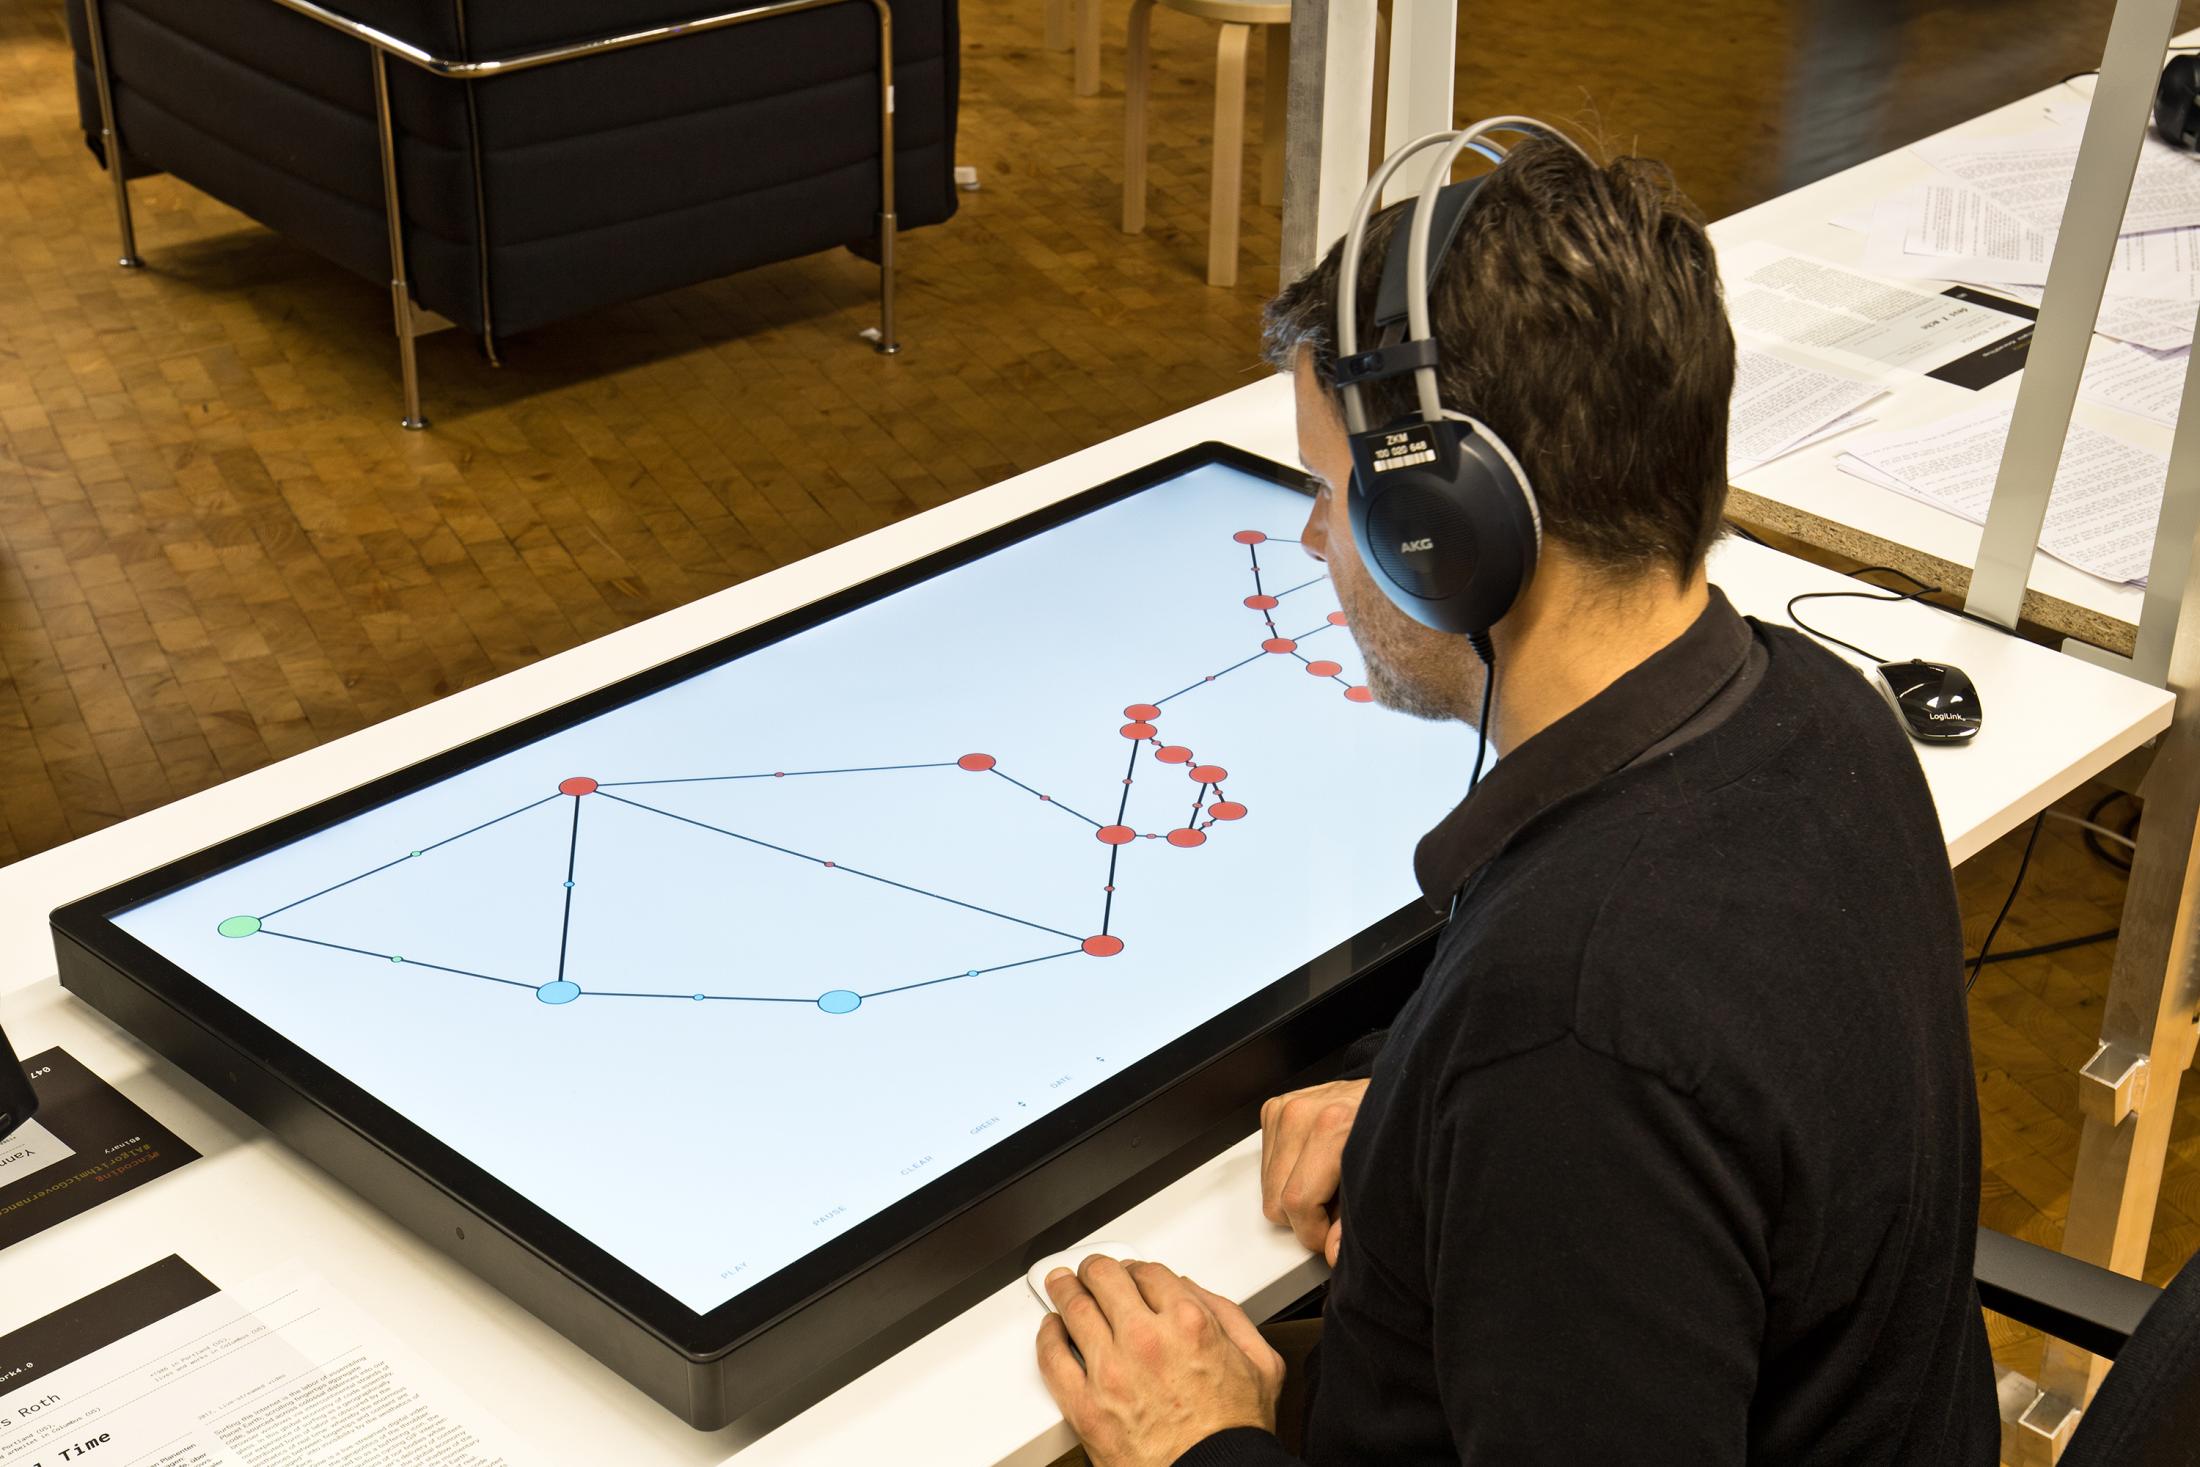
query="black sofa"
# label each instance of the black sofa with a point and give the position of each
(535, 196)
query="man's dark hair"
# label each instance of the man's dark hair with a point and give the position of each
(1579, 315)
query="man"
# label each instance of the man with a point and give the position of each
(1673, 1157)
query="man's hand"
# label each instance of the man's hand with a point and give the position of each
(1302, 1158)
(1166, 1366)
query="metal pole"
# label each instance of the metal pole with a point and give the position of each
(886, 344)
(1327, 127)
(400, 288)
(110, 140)
(2131, 64)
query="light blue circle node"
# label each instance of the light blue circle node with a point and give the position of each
(698, 998)
(238, 926)
(569, 886)
(558, 990)
(840, 1001)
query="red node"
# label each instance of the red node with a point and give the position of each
(579, 784)
(1279, 644)
(976, 763)
(1209, 773)
(1359, 695)
(1325, 669)
(1249, 537)
(1116, 835)
(1173, 754)
(1102, 946)
(1136, 730)
(1226, 810)
(1187, 837)
(1336, 618)
(1142, 713)
(1262, 603)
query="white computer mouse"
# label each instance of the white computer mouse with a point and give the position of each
(1070, 1258)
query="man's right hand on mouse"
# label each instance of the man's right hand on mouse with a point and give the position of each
(1302, 1137)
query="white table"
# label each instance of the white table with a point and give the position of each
(968, 1394)
(1806, 496)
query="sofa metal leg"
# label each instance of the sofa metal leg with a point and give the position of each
(400, 287)
(882, 336)
(110, 137)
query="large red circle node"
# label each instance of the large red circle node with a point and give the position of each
(1226, 810)
(1102, 946)
(1336, 618)
(1249, 537)
(976, 763)
(1359, 695)
(1209, 773)
(1117, 835)
(1137, 730)
(1187, 837)
(1262, 603)
(1173, 754)
(1142, 712)
(1279, 644)
(579, 784)
(1325, 669)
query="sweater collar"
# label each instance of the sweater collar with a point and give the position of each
(1643, 708)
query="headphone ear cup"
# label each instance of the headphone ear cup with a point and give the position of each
(2176, 117)
(1445, 522)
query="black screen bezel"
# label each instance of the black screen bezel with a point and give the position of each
(710, 1335)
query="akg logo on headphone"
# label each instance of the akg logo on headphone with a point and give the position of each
(1410, 546)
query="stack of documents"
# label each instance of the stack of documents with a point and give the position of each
(1992, 219)
(2100, 518)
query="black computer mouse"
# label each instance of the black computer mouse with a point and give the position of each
(1937, 702)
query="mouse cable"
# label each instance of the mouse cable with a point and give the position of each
(1923, 588)
(1986, 948)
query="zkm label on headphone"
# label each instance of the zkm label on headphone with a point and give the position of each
(1402, 451)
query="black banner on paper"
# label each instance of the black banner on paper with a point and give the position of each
(86, 1144)
(1997, 359)
(98, 1320)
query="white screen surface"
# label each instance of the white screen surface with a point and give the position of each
(821, 923)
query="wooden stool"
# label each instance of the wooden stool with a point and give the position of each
(1238, 17)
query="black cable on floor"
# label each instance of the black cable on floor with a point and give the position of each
(2105, 935)
(2107, 855)
(1985, 949)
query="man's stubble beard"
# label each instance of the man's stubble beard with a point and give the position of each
(1392, 687)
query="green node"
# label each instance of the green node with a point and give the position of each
(238, 926)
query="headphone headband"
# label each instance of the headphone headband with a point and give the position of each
(1441, 509)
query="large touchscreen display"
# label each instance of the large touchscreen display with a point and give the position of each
(716, 975)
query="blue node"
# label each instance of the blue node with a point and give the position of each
(840, 1001)
(558, 991)
(569, 886)
(698, 998)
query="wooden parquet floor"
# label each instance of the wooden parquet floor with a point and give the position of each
(217, 548)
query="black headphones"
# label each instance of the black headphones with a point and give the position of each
(2176, 117)
(1441, 510)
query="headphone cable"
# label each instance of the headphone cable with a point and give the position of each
(1482, 728)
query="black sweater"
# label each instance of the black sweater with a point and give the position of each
(1674, 1156)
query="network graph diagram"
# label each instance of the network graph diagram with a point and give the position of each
(1211, 811)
